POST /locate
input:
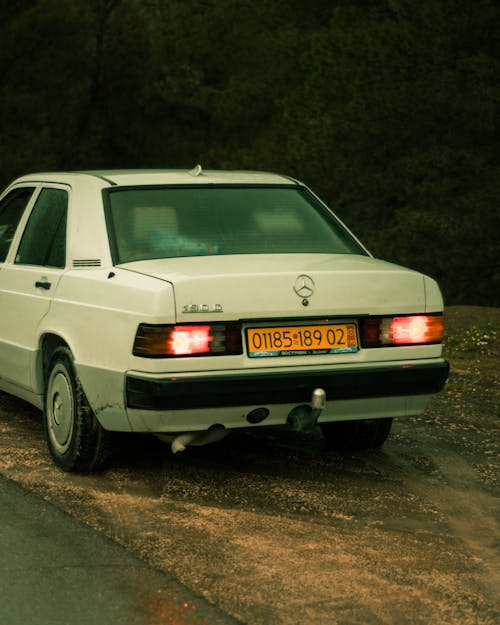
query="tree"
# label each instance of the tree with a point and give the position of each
(388, 108)
(397, 124)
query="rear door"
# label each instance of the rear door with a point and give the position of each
(28, 283)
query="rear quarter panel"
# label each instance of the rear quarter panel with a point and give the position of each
(97, 313)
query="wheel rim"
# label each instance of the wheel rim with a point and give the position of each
(60, 409)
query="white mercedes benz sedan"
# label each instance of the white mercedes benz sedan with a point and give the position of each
(191, 303)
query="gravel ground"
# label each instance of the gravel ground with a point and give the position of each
(275, 530)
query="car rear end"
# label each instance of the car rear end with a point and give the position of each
(278, 311)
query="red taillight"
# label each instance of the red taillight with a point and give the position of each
(187, 340)
(411, 330)
(167, 341)
(401, 330)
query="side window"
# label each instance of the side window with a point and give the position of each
(44, 239)
(11, 210)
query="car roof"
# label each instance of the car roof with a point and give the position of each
(133, 177)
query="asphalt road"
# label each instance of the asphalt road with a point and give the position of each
(55, 570)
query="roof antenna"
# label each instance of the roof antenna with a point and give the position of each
(197, 171)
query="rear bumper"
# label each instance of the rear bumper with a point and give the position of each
(223, 390)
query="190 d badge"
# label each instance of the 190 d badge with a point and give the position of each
(202, 308)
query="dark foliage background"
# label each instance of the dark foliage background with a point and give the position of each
(388, 109)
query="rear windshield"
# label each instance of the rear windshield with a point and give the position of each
(168, 222)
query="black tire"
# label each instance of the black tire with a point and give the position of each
(355, 435)
(76, 440)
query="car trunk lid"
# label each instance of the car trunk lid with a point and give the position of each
(286, 286)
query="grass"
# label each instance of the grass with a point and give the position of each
(477, 340)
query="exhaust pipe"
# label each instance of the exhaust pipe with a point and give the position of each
(305, 417)
(214, 433)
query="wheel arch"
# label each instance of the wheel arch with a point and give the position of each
(105, 394)
(49, 342)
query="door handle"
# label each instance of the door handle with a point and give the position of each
(43, 285)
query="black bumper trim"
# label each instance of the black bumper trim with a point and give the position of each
(215, 391)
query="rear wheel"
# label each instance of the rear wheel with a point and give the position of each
(363, 434)
(76, 440)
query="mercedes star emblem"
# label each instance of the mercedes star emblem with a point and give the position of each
(304, 286)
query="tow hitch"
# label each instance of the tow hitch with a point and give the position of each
(304, 418)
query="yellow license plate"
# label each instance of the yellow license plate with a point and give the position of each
(328, 338)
